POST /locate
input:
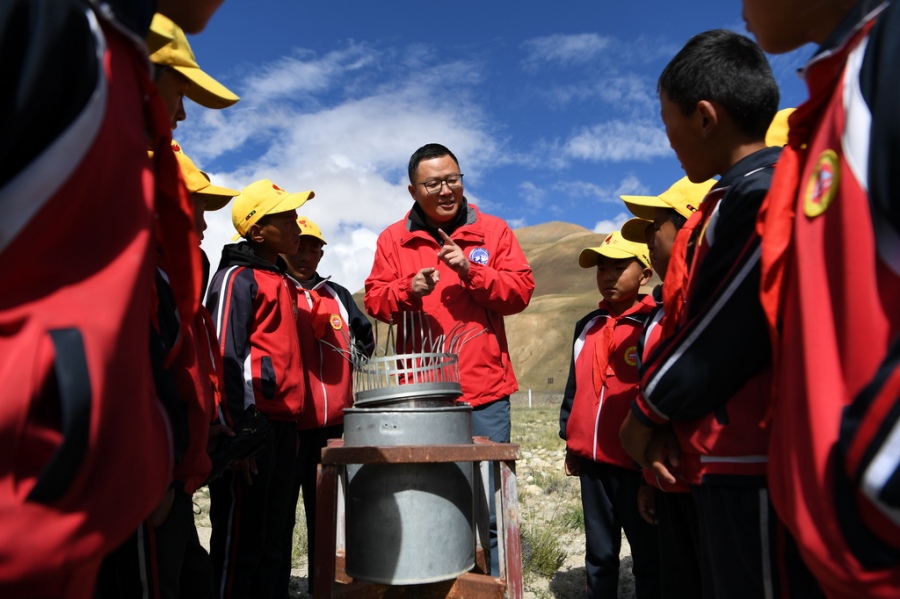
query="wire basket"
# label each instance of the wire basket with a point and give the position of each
(417, 364)
(402, 377)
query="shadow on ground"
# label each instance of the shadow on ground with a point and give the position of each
(568, 584)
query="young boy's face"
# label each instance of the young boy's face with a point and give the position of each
(619, 280)
(660, 237)
(685, 139)
(199, 214)
(305, 262)
(171, 86)
(280, 233)
(783, 25)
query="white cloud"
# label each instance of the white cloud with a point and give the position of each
(613, 224)
(564, 50)
(351, 151)
(619, 140)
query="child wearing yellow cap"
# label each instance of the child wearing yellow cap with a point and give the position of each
(253, 303)
(177, 74)
(331, 328)
(709, 378)
(603, 380)
(831, 291)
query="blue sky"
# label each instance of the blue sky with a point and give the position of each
(550, 107)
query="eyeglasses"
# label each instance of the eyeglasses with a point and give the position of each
(433, 186)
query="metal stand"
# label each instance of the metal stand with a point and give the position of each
(332, 581)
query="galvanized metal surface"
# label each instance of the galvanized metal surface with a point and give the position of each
(331, 580)
(409, 523)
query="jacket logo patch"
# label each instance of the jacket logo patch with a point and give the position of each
(479, 256)
(823, 184)
(631, 355)
(336, 323)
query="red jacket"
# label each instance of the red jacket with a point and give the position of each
(589, 419)
(833, 220)
(198, 375)
(254, 306)
(499, 282)
(329, 323)
(85, 452)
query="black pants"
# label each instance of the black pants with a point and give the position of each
(609, 501)
(679, 546)
(248, 521)
(745, 552)
(167, 559)
(309, 456)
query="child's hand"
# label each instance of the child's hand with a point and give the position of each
(216, 432)
(635, 439)
(646, 502)
(246, 469)
(572, 464)
(664, 454)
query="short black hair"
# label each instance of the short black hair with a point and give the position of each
(677, 219)
(730, 69)
(427, 152)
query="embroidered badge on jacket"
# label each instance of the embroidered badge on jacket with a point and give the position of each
(822, 185)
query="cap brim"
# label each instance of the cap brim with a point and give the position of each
(635, 230)
(644, 206)
(217, 197)
(590, 256)
(205, 90)
(292, 202)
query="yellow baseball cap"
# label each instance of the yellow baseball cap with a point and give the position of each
(777, 135)
(616, 247)
(311, 229)
(177, 53)
(685, 197)
(261, 198)
(635, 229)
(198, 182)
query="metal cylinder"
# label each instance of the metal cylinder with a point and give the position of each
(409, 523)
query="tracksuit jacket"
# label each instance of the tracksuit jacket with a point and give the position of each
(499, 283)
(590, 419)
(329, 323)
(711, 377)
(254, 307)
(833, 467)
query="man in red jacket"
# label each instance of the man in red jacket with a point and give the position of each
(460, 267)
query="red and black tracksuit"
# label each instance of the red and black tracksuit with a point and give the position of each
(330, 326)
(254, 307)
(711, 379)
(831, 286)
(603, 379)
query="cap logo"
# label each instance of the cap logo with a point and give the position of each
(275, 187)
(175, 146)
(479, 256)
(250, 215)
(822, 186)
(691, 208)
